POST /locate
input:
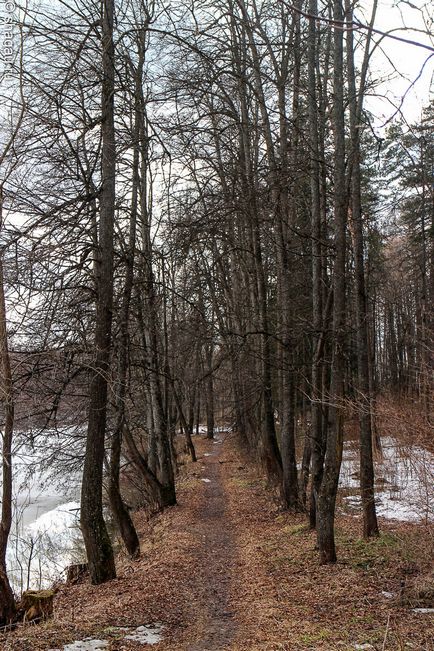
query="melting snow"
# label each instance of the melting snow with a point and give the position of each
(142, 635)
(207, 481)
(423, 611)
(87, 645)
(404, 481)
(147, 634)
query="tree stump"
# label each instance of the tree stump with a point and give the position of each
(76, 573)
(37, 605)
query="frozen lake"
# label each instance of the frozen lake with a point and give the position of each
(45, 536)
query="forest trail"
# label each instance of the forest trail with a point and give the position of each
(227, 570)
(214, 625)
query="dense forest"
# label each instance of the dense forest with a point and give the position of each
(203, 229)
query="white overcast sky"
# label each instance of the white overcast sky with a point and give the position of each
(413, 19)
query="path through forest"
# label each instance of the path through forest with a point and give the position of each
(226, 569)
(216, 556)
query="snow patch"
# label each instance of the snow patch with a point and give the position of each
(404, 481)
(388, 595)
(142, 635)
(423, 611)
(147, 634)
(203, 429)
(207, 481)
(88, 644)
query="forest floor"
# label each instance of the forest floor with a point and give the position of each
(227, 569)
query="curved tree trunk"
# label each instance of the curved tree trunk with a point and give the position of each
(120, 512)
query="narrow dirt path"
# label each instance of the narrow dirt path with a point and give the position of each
(216, 556)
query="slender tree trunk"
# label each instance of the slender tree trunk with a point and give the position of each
(150, 331)
(97, 542)
(289, 464)
(7, 601)
(370, 525)
(120, 513)
(305, 468)
(185, 426)
(328, 491)
(285, 200)
(209, 388)
(269, 452)
(317, 442)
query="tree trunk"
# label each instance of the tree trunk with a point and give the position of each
(97, 542)
(209, 389)
(120, 513)
(185, 426)
(328, 491)
(7, 601)
(305, 468)
(316, 446)
(289, 462)
(370, 525)
(149, 326)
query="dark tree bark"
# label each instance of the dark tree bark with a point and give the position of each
(7, 601)
(328, 491)
(188, 431)
(209, 389)
(289, 463)
(97, 542)
(370, 525)
(316, 443)
(286, 207)
(150, 332)
(269, 452)
(120, 512)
